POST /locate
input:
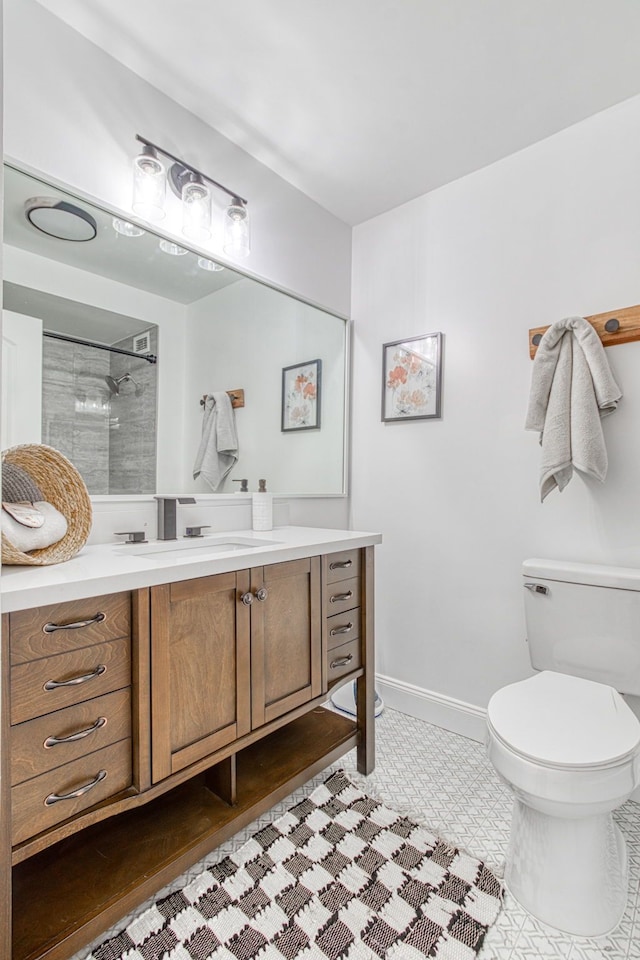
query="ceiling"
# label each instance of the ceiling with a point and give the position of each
(366, 104)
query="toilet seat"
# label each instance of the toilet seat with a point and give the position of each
(564, 722)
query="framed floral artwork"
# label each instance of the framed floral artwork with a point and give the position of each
(301, 390)
(412, 378)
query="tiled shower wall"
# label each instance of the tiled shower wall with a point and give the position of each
(132, 430)
(110, 439)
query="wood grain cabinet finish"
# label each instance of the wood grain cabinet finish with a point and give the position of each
(61, 627)
(344, 660)
(49, 684)
(70, 712)
(286, 638)
(148, 727)
(343, 590)
(47, 742)
(200, 673)
(64, 792)
(229, 654)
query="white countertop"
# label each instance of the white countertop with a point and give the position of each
(109, 568)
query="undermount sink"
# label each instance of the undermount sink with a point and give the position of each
(175, 549)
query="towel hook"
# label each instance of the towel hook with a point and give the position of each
(535, 339)
(236, 397)
(612, 325)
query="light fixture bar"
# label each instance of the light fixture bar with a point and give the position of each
(194, 170)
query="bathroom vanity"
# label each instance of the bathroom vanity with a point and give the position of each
(156, 701)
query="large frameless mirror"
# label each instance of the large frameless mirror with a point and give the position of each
(113, 335)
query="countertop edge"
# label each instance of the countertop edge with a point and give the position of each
(103, 569)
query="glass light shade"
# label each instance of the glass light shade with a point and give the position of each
(196, 210)
(205, 264)
(168, 246)
(237, 234)
(126, 229)
(149, 186)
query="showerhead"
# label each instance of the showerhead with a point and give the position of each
(114, 384)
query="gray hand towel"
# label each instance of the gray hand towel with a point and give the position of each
(218, 451)
(572, 388)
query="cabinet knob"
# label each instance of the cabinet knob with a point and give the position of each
(247, 599)
(262, 594)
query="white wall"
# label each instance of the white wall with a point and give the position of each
(549, 232)
(72, 112)
(21, 379)
(240, 338)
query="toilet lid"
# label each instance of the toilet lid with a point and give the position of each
(561, 720)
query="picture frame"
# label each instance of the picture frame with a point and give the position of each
(412, 378)
(301, 396)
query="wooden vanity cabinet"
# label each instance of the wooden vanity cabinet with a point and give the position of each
(200, 669)
(286, 638)
(230, 653)
(213, 689)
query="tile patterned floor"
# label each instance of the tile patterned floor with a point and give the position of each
(446, 781)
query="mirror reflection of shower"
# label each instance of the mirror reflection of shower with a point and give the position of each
(99, 396)
(114, 384)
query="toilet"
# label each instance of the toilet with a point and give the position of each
(568, 745)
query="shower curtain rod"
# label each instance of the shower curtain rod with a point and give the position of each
(149, 357)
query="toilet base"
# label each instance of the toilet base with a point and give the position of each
(570, 873)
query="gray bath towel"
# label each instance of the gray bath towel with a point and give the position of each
(218, 451)
(572, 388)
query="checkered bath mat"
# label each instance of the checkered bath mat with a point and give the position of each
(338, 876)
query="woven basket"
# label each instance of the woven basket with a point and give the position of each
(62, 486)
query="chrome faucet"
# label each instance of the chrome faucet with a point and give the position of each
(167, 516)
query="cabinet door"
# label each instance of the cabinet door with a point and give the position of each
(200, 669)
(286, 661)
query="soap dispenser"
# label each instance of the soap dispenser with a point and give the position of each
(262, 508)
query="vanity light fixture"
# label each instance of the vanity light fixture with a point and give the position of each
(173, 249)
(126, 229)
(149, 184)
(237, 237)
(194, 189)
(206, 264)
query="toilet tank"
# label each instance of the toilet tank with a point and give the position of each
(584, 620)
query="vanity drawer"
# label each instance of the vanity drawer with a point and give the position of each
(343, 660)
(62, 627)
(342, 595)
(343, 627)
(343, 565)
(76, 730)
(40, 803)
(71, 678)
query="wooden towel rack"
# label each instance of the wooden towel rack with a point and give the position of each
(237, 398)
(619, 326)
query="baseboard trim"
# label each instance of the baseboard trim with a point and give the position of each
(455, 715)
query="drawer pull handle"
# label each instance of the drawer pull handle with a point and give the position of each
(247, 599)
(80, 792)
(52, 627)
(80, 735)
(262, 594)
(340, 564)
(341, 661)
(338, 597)
(337, 630)
(54, 684)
